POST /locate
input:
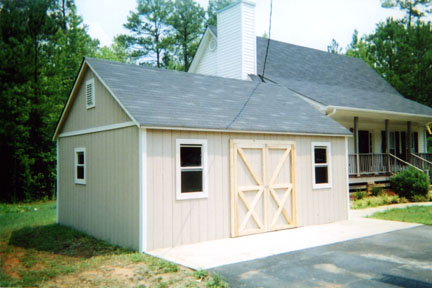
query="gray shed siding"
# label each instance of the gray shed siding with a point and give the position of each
(107, 111)
(107, 205)
(172, 222)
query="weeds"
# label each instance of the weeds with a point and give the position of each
(360, 195)
(216, 282)
(200, 274)
(46, 254)
(376, 201)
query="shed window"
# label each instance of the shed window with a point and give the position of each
(321, 165)
(191, 169)
(80, 165)
(90, 94)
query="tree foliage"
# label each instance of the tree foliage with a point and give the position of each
(334, 47)
(412, 8)
(401, 54)
(117, 51)
(42, 43)
(149, 29)
(213, 7)
(187, 23)
(166, 33)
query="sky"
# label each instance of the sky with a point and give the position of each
(309, 23)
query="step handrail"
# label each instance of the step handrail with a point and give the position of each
(406, 163)
(422, 159)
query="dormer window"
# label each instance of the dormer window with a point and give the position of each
(90, 94)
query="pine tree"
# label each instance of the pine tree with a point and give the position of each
(41, 47)
(148, 24)
(213, 7)
(187, 22)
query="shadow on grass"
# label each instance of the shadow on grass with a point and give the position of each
(62, 240)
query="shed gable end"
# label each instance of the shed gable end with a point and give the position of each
(79, 116)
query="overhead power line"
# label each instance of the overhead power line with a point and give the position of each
(268, 41)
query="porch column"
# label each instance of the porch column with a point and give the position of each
(356, 146)
(387, 144)
(408, 142)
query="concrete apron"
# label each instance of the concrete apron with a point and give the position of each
(210, 254)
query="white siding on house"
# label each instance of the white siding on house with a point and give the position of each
(376, 128)
(107, 205)
(236, 41)
(174, 222)
(208, 62)
(248, 41)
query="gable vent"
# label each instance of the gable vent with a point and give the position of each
(90, 94)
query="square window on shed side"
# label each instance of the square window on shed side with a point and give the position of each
(90, 94)
(321, 165)
(191, 167)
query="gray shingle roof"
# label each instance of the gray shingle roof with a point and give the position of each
(213, 29)
(331, 79)
(163, 98)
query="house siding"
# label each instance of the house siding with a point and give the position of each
(229, 42)
(376, 128)
(248, 41)
(107, 205)
(106, 112)
(208, 62)
(174, 222)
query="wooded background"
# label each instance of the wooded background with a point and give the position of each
(43, 42)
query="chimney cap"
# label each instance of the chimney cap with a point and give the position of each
(248, 2)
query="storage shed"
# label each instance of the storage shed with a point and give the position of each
(150, 158)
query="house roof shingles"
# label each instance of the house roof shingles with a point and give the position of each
(331, 79)
(163, 98)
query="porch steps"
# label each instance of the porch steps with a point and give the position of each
(367, 186)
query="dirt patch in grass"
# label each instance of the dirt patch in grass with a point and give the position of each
(126, 273)
(10, 263)
(36, 252)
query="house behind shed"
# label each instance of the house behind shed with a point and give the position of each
(150, 158)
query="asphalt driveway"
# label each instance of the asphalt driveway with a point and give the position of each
(400, 258)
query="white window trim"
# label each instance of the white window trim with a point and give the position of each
(329, 169)
(76, 180)
(192, 195)
(88, 82)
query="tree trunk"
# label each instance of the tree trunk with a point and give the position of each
(185, 50)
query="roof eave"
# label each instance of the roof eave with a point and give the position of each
(334, 109)
(348, 134)
(68, 102)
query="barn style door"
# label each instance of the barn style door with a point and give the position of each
(262, 186)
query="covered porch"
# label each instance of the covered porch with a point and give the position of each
(385, 143)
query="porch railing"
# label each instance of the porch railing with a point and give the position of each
(380, 163)
(426, 156)
(422, 162)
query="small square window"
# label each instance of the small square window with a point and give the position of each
(321, 165)
(80, 166)
(191, 168)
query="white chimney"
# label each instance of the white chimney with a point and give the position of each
(236, 40)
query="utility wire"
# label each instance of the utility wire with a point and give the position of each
(244, 105)
(262, 76)
(268, 42)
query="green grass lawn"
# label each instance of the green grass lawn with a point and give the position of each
(35, 251)
(413, 214)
